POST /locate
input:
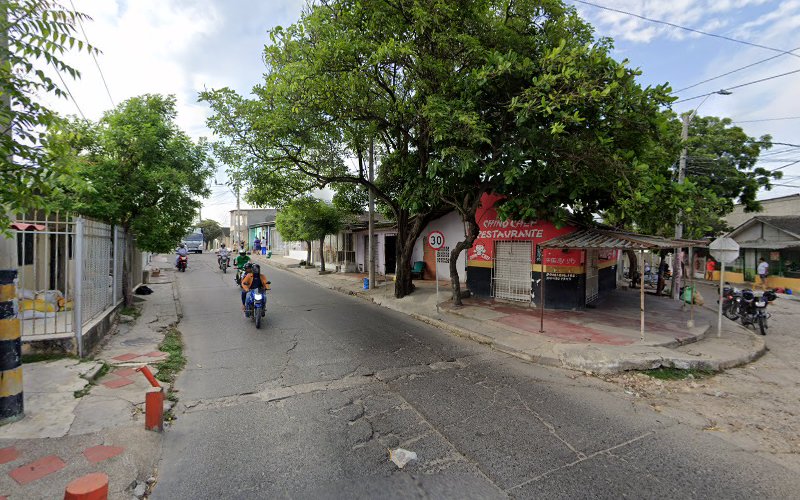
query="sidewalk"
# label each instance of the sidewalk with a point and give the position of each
(605, 339)
(84, 416)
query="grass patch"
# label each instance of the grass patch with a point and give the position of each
(104, 369)
(170, 367)
(176, 361)
(131, 311)
(45, 356)
(664, 373)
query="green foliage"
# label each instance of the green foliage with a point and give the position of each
(38, 31)
(144, 173)
(211, 229)
(720, 170)
(308, 219)
(176, 360)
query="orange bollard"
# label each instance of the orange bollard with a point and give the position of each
(89, 487)
(148, 375)
(154, 409)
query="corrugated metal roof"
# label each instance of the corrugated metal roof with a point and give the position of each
(620, 240)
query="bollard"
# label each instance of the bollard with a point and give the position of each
(149, 376)
(154, 409)
(11, 400)
(89, 487)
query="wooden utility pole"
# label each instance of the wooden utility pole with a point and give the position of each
(371, 225)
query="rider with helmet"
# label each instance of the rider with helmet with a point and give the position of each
(241, 259)
(182, 252)
(252, 279)
(224, 253)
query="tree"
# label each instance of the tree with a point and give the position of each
(308, 219)
(31, 32)
(145, 173)
(720, 170)
(211, 230)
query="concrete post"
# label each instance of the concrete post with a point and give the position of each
(11, 398)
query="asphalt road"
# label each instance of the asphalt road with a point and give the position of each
(308, 406)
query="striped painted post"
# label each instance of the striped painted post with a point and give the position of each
(11, 402)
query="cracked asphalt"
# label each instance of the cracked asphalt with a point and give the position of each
(308, 407)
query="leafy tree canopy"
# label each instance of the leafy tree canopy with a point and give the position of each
(145, 173)
(211, 229)
(35, 31)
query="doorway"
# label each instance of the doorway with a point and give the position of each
(390, 253)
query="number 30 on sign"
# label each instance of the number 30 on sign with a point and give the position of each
(436, 240)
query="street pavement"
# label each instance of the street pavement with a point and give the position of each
(308, 407)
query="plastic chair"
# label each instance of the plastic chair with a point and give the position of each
(417, 270)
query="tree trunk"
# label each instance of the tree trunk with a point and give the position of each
(308, 253)
(127, 262)
(471, 232)
(322, 255)
(633, 268)
(408, 230)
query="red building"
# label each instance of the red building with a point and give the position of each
(506, 262)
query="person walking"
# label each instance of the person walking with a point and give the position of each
(710, 266)
(763, 271)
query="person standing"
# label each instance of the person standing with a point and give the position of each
(710, 266)
(257, 245)
(763, 271)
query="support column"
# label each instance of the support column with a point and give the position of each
(11, 398)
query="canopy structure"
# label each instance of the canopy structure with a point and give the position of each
(24, 226)
(609, 239)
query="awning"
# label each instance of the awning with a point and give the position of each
(609, 239)
(24, 226)
(620, 240)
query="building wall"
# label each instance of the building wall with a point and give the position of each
(453, 230)
(785, 205)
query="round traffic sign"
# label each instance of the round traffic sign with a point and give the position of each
(436, 240)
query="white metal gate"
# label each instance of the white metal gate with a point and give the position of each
(511, 279)
(592, 276)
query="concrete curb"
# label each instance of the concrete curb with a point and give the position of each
(176, 297)
(580, 358)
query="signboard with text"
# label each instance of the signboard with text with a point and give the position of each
(493, 229)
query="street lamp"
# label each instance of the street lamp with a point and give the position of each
(687, 118)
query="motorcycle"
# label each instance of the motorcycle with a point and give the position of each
(752, 309)
(239, 276)
(256, 304)
(183, 261)
(731, 297)
(223, 263)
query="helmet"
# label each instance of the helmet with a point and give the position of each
(256, 269)
(248, 266)
(222, 246)
(183, 245)
(242, 252)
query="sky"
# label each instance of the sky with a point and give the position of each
(182, 47)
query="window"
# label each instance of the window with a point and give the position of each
(24, 249)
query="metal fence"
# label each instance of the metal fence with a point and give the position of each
(70, 273)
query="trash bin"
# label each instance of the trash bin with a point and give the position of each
(366, 283)
(269, 254)
(688, 294)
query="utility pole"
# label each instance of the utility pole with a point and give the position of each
(238, 221)
(676, 262)
(371, 225)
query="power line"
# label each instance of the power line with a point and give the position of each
(769, 119)
(66, 87)
(731, 72)
(692, 30)
(737, 86)
(102, 76)
(787, 165)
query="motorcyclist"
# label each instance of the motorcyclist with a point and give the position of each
(252, 279)
(241, 260)
(182, 252)
(224, 253)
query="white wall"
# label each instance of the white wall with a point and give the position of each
(453, 229)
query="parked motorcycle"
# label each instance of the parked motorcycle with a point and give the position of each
(746, 306)
(183, 261)
(256, 304)
(753, 309)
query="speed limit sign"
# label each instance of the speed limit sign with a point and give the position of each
(436, 240)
